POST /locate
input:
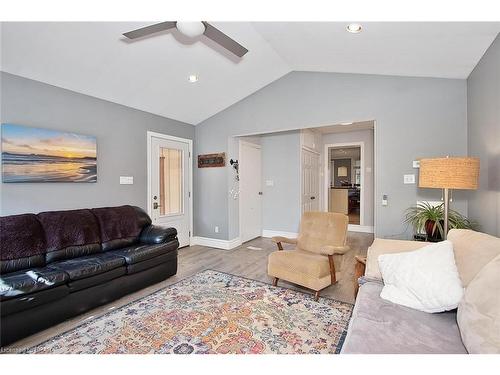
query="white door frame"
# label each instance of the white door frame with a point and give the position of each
(240, 211)
(149, 136)
(352, 227)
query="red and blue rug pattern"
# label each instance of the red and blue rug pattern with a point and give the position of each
(210, 313)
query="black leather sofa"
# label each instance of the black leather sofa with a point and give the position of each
(55, 265)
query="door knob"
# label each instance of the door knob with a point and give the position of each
(155, 205)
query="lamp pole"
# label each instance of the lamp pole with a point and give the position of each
(446, 208)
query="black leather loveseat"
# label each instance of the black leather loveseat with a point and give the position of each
(55, 265)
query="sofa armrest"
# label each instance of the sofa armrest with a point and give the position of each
(384, 246)
(153, 234)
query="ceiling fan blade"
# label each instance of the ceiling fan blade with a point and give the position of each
(222, 39)
(143, 31)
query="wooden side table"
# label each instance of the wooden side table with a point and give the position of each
(359, 270)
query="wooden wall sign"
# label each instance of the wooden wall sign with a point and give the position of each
(212, 160)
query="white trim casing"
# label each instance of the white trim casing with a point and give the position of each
(360, 228)
(274, 233)
(351, 228)
(216, 243)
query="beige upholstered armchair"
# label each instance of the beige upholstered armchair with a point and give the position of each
(310, 264)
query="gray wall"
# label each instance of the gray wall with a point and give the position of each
(415, 117)
(483, 112)
(366, 136)
(280, 163)
(121, 145)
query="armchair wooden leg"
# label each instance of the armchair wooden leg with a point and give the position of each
(275, 281)
(316, 295)
(332, 269)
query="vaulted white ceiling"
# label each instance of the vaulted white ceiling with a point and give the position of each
(151, 74)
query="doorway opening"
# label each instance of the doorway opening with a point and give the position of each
(297, 171)
(345, 181)
(349, 173)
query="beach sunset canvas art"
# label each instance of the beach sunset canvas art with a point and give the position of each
(42, 155)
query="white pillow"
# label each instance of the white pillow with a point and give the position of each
(425, 279)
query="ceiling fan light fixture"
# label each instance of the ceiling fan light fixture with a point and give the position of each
(193, 78)
(191, 29)
(354, 28)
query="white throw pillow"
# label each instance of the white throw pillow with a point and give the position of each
(426, 279)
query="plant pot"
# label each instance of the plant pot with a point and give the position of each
(429, 225)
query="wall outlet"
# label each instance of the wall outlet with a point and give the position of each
(216, 229)
(126, 180)
(409, 179)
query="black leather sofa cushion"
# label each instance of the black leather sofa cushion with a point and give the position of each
(150, 263)
(20, 283)
(120, 226)
(22, 243)
(141, 252)
(80, 268)
(70, 234)
(13, 265)
(29, 301)
(96, 280)
(153, 234)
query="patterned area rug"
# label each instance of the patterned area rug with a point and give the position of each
(212, 312)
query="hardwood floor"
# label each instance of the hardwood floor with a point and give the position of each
(242, 261)
(354, 218)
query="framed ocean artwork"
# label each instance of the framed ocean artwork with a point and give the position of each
(42, 155)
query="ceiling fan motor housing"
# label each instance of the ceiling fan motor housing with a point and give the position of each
(191, 29)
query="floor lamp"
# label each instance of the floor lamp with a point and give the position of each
(447, 174)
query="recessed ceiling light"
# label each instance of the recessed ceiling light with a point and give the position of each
(193, 78)
(354, 28)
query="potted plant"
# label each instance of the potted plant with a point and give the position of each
(431, 219)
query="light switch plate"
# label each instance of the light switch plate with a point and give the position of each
(269, 183)
(384, 200)
(409, 179)
(126, 180)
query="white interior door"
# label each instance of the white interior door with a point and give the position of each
(310, 181)
(250, 168)
(169, 186)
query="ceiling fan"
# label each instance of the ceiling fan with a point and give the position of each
(192, 30)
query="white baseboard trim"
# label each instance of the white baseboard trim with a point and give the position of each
(360, 228)
(273, 233)
(216, 243)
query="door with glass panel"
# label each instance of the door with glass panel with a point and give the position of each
(169, 181)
